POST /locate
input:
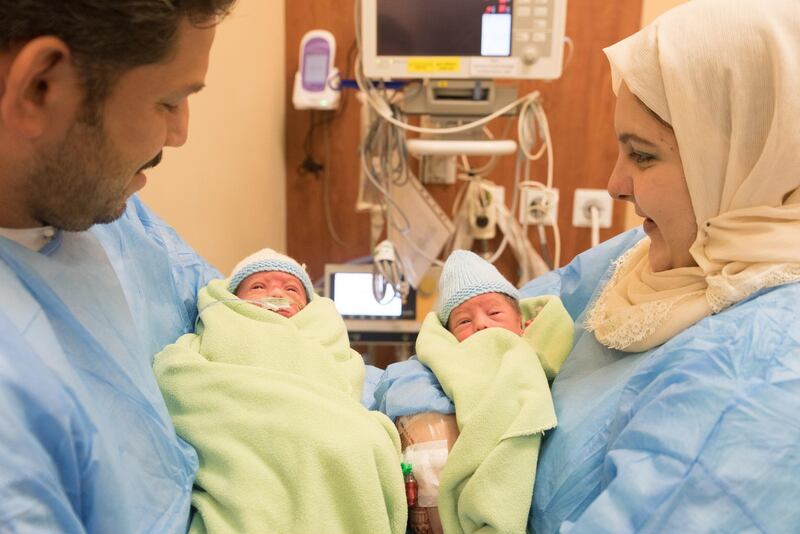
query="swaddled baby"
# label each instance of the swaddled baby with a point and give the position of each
(268, 391)
(493, 354)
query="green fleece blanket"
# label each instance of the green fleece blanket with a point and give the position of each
(498, 384)
(271, 405)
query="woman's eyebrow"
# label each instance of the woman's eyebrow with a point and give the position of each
(625, 137)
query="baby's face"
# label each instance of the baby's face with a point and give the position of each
(484, 311)
(274, 284)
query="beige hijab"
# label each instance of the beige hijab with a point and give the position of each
(726, 75)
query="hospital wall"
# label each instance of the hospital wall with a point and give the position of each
(579, 106)
(224, 191)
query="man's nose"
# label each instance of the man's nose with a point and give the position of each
(178, 127)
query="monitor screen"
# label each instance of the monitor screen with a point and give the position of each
(368, 320)
(315, 68)
(414, 28)
(353, 296)
(462, 39)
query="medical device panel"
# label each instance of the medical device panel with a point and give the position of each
(473, 39)
(367, 319)
(312, 82)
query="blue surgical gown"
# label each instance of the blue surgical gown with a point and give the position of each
(700, 434)
(86, 443)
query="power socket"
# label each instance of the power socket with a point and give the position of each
(585, 199)
(538, 206)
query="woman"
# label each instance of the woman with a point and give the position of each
(679, 406)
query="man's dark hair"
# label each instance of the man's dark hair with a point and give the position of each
(106, 37)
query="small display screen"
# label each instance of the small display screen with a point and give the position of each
(444, 27)
(315, 68)
(353, 296)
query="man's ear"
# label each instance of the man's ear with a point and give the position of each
(41, 88)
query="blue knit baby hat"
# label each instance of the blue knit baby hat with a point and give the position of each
(268, 260)
(466, 275)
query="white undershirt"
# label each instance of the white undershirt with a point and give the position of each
(32, 238)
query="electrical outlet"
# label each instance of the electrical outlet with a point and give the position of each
(538, 206)
(585, 199)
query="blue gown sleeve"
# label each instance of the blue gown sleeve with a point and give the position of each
(189, 271)
(706, 437)
(46, 450)
(409, 387)
(372, 376)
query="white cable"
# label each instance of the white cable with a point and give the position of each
(381, 108)
(326, 182)
(594, 214)
(571, 46)
(557, 241)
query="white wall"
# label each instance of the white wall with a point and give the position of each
(224, 191)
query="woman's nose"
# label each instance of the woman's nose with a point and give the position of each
(620, 184)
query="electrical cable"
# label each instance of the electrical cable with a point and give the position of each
(382, 109)
(531, 117)
(594, 214)
(310, 165)
(571, 46)
(326, 196)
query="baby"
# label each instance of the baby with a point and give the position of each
(277, 281)
(267, 391)
(473, 296)
(493, 354)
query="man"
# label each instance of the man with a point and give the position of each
(90, 93)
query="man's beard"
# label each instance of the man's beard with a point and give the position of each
(79, 182)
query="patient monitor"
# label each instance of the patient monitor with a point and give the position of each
(463, 39)
(389, 320)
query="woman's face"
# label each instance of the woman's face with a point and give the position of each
(649, 173)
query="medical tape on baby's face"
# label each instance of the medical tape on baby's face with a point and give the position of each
(427, 458)
(270, 303)
(275, 303)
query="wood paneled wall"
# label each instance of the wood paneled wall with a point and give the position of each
(579, 107)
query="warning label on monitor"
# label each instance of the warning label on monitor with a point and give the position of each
(488, 67)
(433, 64)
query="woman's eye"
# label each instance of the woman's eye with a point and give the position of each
(641, 158)
(171, 108)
